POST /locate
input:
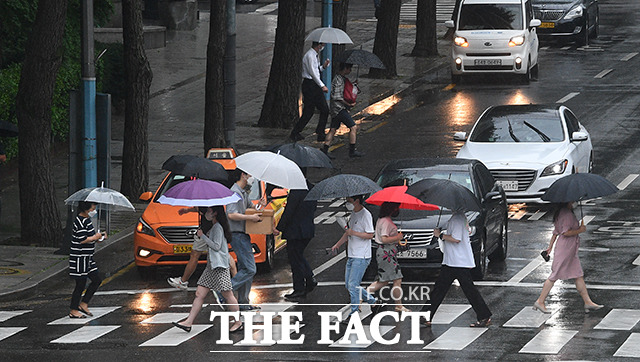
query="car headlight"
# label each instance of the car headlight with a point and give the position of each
(461, 42)
(574, 13)
(516, 41)
(555, 168)
(144, 228)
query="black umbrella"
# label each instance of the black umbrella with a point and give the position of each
(344, 185)
(194, 166)
(8, 129)
(360, 57)
(579, 186)
(303, 156)
(445, 193)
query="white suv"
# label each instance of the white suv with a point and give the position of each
(494, 36)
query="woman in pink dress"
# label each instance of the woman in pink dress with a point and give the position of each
(566, 264)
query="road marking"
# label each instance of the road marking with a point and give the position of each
(603, 73)
(537, 215)
(449, 87)
(525, 271)
(165, 318)
(97, 313)
(548, 341)
(456, 338)
(567, 97)
(267, 8)
(258, 337)
(544, 48)
(175, 336)
(6, 315)
(376, 127)
(353, 338)
(328, 264)
(566, 48)
(587, 219)
(338, 203)
(637, 261)
(628, 57)
(85, 334)
(327, 215)
(118, 273)
(517, 215)
(447, 313)
(620, 320)
(6, 332)
(630, 347)
(627, 181)
(527, 318)
(271, 307)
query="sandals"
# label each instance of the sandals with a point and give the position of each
(481, 323)
(85, 311)
(184, 328)
(77, 316)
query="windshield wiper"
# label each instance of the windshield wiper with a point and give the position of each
(513, 135)
(544, 137)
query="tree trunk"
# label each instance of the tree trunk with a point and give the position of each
(280, 107)
(214, 85)
(340, 12)
(135, 152)
(39, 218)
(426, 39)
(385, 44)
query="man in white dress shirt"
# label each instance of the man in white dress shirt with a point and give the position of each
(313, 90)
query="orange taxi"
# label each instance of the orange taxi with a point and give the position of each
(163, 237)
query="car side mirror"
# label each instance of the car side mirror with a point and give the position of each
(534, 23)
(579, 136)
(493, 196)
(146, 196)
(450, 24)
(460, 136)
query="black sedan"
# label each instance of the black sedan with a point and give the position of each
(576, 19)
(488, 228)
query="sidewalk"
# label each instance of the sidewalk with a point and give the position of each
(176, 113)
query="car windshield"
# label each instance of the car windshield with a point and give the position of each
(490, 16)
(518, 127)
(552, 1)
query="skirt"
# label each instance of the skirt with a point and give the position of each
(218, 279)
(388, 266)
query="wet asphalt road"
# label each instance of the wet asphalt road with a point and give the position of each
(422, 125)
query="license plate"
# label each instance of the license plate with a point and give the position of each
(508, 185)
(413, 254)
(487, 62)
(182, 249)
(548, 25)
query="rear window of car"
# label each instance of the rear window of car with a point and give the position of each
(490, 16)
(518, 127)
(410, 176)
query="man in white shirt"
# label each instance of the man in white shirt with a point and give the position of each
(457, 263)
(313, 90)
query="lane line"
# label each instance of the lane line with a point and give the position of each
(603, 73)
(628, 57)
(627, 181)
(548, 341)
(328, 264)
(85, 334)
(567, 97)
(526, 271)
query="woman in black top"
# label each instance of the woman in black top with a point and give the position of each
(81, 263)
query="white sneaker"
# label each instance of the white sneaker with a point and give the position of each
(178, 283)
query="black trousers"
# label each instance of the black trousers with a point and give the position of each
(443, 283)
(300, 269)
(81, 282)
(313, 97)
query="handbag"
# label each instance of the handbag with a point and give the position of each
(350, 92)
(403, 245)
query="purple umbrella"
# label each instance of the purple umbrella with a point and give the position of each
(199, 192)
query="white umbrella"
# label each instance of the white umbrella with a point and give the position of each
(329, 35)
(101, 195)
(272, 168)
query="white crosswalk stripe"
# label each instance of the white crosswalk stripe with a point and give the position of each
(175, 336)
(620, 319)
(258, 337)
(85, 334)
(6, 332)
(352, 340)
(548, 341)
(97, 313)
(165, 318)
(6, 315)
(456, 338)
(444, 9)
(447, 313)
(630, 347)
(527, 318)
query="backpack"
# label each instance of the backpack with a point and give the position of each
(350, 92)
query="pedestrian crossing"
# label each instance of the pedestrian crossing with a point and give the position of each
(444, 10)
(448, 335)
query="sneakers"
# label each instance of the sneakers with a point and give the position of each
(356, 153)
(296, 137)
(325, 150)
(178, 283)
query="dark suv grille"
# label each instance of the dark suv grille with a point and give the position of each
(178, 234)
(418, 237)
(524, 177)
(552, 15)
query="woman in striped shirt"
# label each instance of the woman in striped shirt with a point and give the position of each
(81, 263)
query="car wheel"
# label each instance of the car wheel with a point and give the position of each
(147, 272)
(526, 77)
(456, 78)
(500, 254)
(269, 263)
(583, 37)
(535, 71)
(481, 262)
(596, 28)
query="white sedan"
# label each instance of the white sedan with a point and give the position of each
(528, 147)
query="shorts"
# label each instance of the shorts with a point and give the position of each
(199, 244)
(344, 117)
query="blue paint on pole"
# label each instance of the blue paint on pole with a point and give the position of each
(327, 21)
(89, 146)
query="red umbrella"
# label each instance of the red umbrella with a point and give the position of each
(398, 194)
